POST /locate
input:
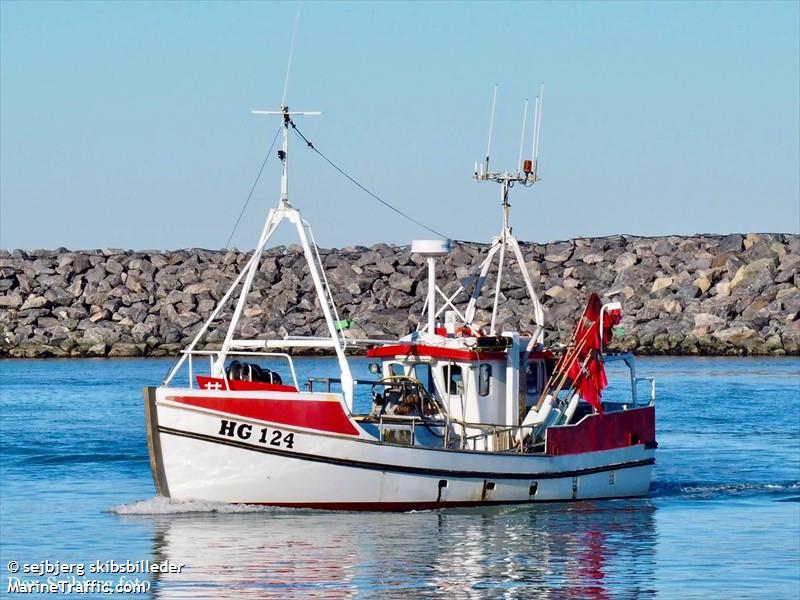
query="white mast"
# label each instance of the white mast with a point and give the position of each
(284, 210)
(525, 174)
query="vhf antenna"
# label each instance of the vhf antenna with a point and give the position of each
(491, 127)
(537, 119)
(291, 54)
(283, 111)
(526, 173)
(522, 133)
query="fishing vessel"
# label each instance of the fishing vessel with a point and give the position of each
(461, 411)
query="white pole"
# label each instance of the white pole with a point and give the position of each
(522, 134)
(214, 314)
(497, 285)
(285, 159)
(476, 293)
(538, 312)
(512, 381)
(431, 295)
(269, 228)
(346, 376)
(533, 128)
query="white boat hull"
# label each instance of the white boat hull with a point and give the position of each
(199, 453)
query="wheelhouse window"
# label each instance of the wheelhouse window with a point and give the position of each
(396, 369)
(456, 380)
(422, 373)
(484, 379)
(533, 379)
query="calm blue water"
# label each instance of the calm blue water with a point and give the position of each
(723, 519)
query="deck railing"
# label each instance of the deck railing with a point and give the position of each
(486, 436)
(215, 354)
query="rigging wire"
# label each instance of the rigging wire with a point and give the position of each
(361, 187)
(253, 187)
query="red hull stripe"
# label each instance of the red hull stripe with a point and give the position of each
(433, 352)
(312, 414)
(604, 432)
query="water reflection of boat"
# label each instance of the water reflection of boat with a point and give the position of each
(589, 550)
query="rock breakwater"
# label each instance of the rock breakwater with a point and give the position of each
(705, 294)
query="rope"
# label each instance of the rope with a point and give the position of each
(253, 187)
(361, 187)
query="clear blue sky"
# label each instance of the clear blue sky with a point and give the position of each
(128, 124)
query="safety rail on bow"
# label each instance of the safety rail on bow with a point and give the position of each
(214, 356)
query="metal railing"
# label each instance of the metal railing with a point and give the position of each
(399, 418)
(330, 380)
(214, 354)
(503, 438)
(652, 381)
(629, 360)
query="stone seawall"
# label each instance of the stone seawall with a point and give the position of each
(735, 294)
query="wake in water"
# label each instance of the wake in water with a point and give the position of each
(707, 490)
(168, 506)
(660, 489)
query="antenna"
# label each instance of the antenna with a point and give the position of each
(491, 126)
(538, 131)
(522, 134)
(283, 153)
(526, 174)
(533, 127)
(525, 171)
(291, 53)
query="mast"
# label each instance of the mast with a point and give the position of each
(286, 211)
(525, 174)
(283, 211)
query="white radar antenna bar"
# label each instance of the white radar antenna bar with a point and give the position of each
(290, 113)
